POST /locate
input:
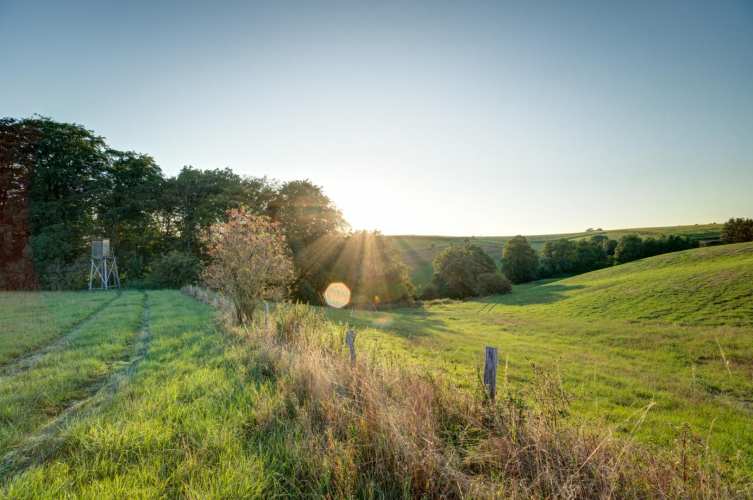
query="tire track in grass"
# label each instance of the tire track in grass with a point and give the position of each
(28, 360)
(41, 444)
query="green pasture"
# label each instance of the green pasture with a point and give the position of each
(676, 330)
(145, 395)
(30, 320)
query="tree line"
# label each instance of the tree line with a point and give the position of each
(469, 271)
(61, 184)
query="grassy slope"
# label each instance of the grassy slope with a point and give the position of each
(623, 336)
(30, 320)
(40, 386)
(418, 254)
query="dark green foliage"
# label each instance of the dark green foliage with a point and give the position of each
(558, 257)
(174, 270)
(737, 231)
(629, 248)
(430, 292)
(69, 167)
(589, 256)
(493, 284)
(456, 270)
(454, 275)
(520, 263)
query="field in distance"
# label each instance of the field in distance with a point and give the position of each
(676, 329)
(418, 253)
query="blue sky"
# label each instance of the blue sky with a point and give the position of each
(459, 118)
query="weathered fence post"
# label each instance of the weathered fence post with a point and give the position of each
(190, 289)
(490, 371)
(350, 341)
(217, 298)
(298, 329)
(352, 311)
(266, 315)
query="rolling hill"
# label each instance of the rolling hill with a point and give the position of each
(676, 330)
(418, 253)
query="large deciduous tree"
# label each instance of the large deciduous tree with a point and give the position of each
(250, 261)
(520, 263)
(457, 269)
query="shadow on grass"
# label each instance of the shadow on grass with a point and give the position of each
(544, 294)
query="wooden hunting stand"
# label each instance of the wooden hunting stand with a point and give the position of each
(104, 265)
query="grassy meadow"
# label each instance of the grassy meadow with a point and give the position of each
(625, 382)
(675, 330)
(418, 253)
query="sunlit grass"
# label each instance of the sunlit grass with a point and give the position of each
(42, 386)
(30, 320)
(624, 336)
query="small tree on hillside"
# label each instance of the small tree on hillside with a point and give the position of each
(250, 261)
(520, 263)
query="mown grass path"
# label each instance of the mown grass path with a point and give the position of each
(39, 444)
(30, 321)
(30, 398)
(176, 422)
(28, 360)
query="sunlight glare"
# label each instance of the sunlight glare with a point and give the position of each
(337, 295)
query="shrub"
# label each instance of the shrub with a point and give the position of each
(430, 292)
(251, 261)
(173, 270)
(456, 270)
(493, 284)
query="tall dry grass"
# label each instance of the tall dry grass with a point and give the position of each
(380, 429)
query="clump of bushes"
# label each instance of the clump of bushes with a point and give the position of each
(173, 270)
(493, 284)
(462, 272)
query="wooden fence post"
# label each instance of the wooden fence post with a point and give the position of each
(217, 298)
(266, 315)
(490, 371)
(298, 329)
(190, 289)
(350, 341)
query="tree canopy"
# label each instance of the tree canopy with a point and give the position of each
(520, 263)
(61, 185)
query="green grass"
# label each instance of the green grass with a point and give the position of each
(418, 254)
(30, 320)
(622, 336)
(179, 424)
(41, 386)
(151, 398)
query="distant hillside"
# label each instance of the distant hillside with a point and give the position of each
(712, 285)
(418, 252)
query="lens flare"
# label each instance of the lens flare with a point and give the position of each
(337, 295)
